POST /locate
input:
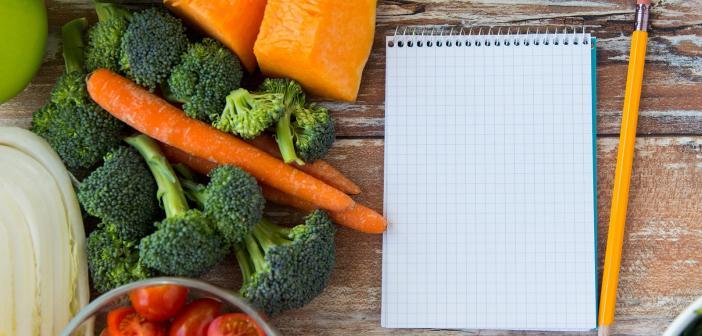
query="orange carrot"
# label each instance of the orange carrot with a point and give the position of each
(278, 197)
(319, 169)
(155, 117)
(359, 217)
(195, 163)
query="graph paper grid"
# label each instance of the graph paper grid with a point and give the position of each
(489, 187)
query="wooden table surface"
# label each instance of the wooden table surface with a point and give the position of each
(661, 270)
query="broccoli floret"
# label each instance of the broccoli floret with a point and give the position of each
(78, 129)
(304, 133)
(232, 199)
(105, 37)
(313, 130)
(122, 192)
(248, 114)
(186, 243)
(81, 135)
(70, 89)
(151, 46)
(207, 72)
(286, 268)
(112, 260)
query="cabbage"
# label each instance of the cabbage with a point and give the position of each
(43, 267)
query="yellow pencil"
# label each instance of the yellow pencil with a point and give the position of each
(622, 175)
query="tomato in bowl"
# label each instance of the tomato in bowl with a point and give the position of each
(170, 307)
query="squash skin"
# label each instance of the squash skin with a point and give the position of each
(235, 23)
(322, 44)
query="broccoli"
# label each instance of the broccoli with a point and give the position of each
(303, 133)
(186, 243)
(105, 37)
(313, 131)
(78, 129)
(70, 89)
(232, 199)
(151, 46)
(112, 260)
(81, 135)
(248, 114)
(73, 45)
(122, 192)
(286, 268)
(207, 72)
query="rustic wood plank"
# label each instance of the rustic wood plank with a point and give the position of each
(661, 267)
(672, 103)
(661, 263)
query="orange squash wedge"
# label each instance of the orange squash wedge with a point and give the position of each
(323, 44)
(235, 23)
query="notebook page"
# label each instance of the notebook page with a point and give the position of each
(489, 187)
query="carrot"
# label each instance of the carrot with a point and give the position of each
(195, 163)
(319, 169)
(278, 197)
(160, 120)
(359, 217)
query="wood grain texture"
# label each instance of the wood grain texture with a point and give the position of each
(661, 264)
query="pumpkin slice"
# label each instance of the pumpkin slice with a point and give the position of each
(323, 44)
(235, 23)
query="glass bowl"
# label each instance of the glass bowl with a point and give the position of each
(687, 317)
(95, 312)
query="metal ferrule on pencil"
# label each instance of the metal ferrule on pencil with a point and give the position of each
(642, 11)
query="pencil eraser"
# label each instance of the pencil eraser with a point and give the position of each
(643, 2)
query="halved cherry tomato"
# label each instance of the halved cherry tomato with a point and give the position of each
(237, 324)
(126, 322)
(159, 303)
(195, 317)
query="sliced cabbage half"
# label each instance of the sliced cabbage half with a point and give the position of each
(43, 267)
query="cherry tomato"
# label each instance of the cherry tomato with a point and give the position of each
(195, 317)
(126, 322)
(234, 325)
(159, 303)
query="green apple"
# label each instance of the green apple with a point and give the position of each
(23, 30)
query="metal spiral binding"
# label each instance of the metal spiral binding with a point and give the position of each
(411, 37)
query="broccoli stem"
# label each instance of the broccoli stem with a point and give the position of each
(170, 192)
(106, 10)
(275, 229)
(262, 238)
(169, 95)
(255, 253)
(241, 99)
(73, 45)
(244, 262)
(183, 171)
(267, 238)
(284, 137)
(194, 192)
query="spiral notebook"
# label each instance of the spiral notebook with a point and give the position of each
(490, 182)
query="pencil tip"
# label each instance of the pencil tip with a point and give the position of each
(603, 330)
